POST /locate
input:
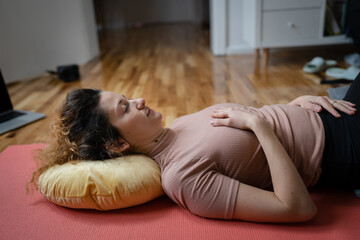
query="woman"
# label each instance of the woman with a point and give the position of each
(226, 161)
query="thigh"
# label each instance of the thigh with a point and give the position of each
(341, 156)
(353, 94)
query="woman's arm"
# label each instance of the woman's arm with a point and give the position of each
(317, 103)
(290, 200)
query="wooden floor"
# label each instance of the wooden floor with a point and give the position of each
(172, 67)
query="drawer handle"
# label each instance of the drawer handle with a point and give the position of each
(291, 24)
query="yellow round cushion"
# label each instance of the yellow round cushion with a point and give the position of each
(102, 185)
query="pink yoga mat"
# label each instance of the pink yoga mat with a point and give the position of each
(33, 217)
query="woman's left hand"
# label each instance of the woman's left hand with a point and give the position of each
(317, 103)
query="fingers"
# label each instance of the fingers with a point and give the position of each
(326, 103)
(331, 105)
(221, 117)
(219, 114)
(221, 108)
(220, 122)
(224, 116)
(348, 105)
(342, 101)
(344, 107)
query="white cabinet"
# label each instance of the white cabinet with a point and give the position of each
(290, 4)
(268, 24)
(290, 27)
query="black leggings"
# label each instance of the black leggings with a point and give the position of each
(341, 158)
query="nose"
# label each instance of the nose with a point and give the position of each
(140, 103)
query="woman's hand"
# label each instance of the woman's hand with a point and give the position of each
(317, 103)
(237, 117)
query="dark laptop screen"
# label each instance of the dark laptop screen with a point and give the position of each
(5, 103)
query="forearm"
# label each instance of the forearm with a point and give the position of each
(290, 200)
(288, 186)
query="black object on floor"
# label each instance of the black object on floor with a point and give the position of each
(335, 81)
(67, 73)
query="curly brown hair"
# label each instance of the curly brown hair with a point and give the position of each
(82, 131)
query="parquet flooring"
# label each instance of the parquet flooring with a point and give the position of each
(172, 67)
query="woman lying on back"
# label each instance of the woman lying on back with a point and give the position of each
(226, 161)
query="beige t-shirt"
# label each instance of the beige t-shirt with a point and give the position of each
(202, 166)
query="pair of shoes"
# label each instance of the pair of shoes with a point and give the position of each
(350, 73)
(317, 64)
(352, 59)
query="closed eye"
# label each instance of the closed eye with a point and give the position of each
(124, 103)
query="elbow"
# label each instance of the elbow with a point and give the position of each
(310, 213)
(304, 214)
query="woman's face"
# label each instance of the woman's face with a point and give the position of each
(137, 123)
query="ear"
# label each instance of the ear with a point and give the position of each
(125, 146)
(118, 147)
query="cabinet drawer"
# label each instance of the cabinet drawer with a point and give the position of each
(290, 4)
(291, 26)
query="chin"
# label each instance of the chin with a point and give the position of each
(158, 115)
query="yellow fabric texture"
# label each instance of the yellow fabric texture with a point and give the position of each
(102, 185)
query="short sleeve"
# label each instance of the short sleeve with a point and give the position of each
(207, 194)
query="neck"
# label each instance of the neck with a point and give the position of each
(146, 148)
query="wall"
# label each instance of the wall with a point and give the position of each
(41, 34)
(228, 27)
